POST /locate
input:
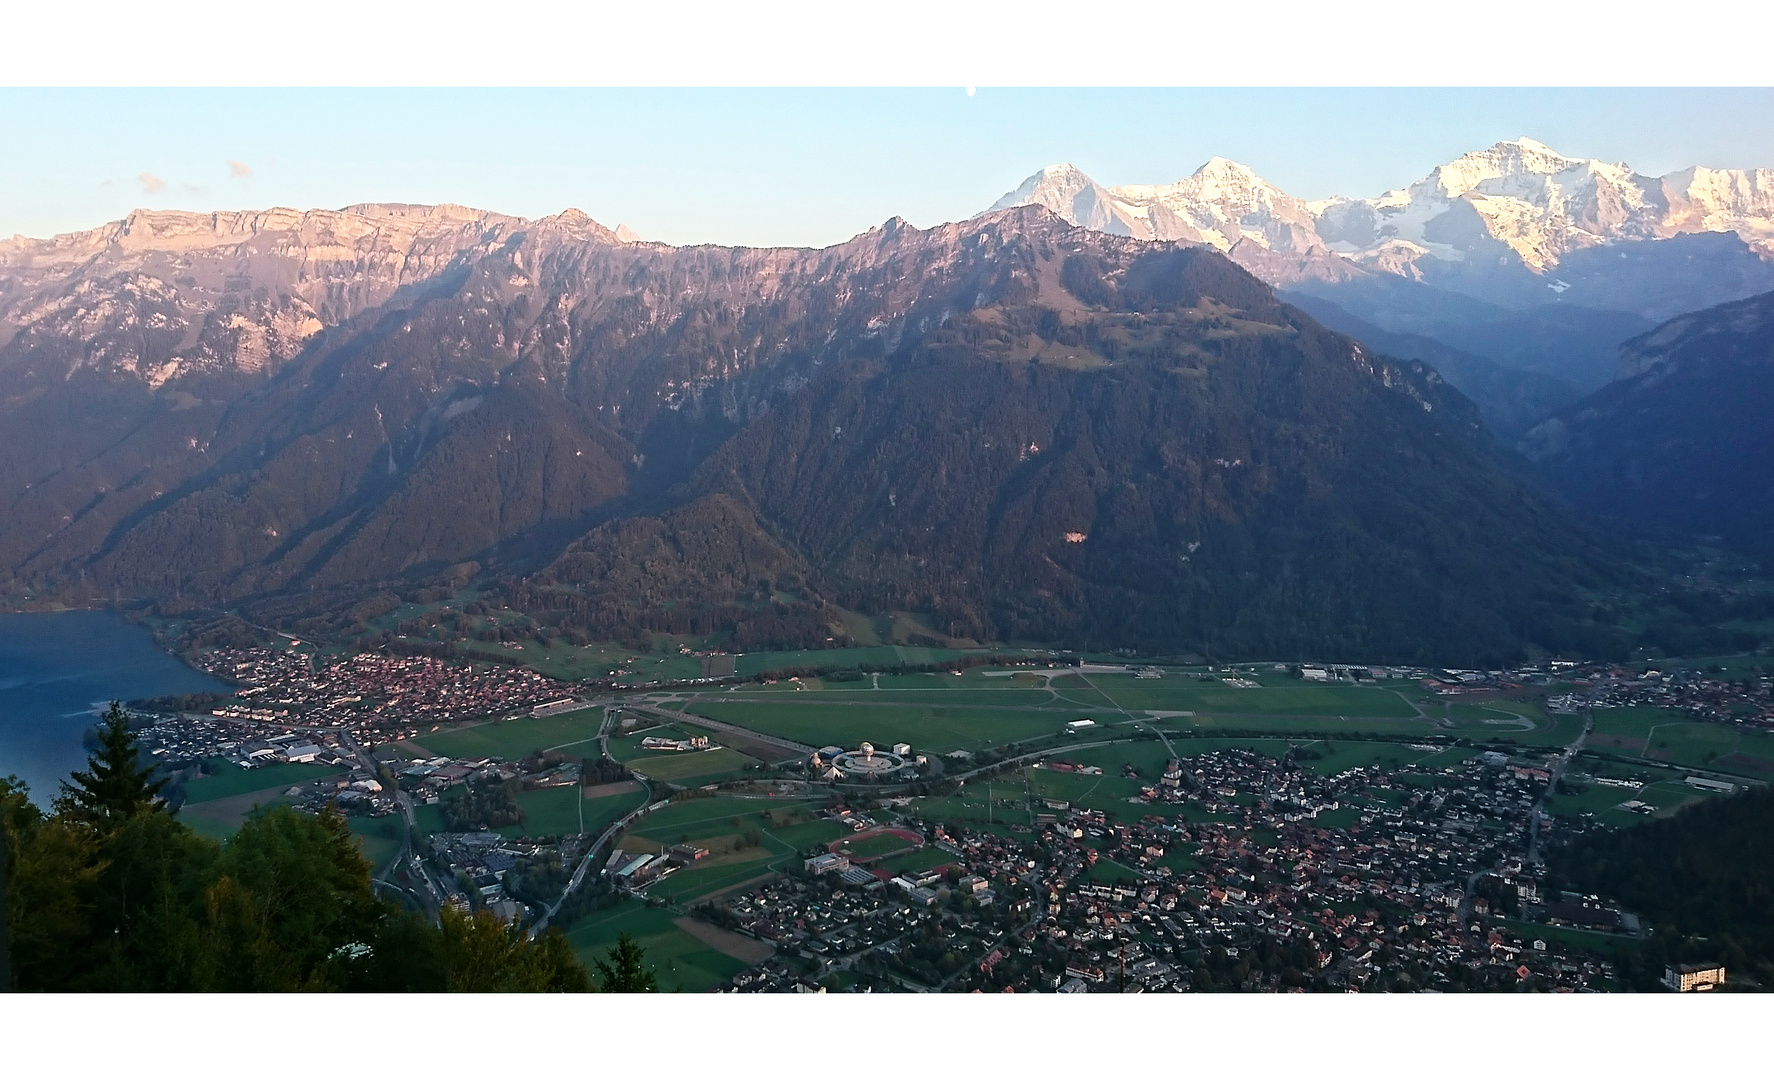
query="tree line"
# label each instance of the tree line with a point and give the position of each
(108, 891)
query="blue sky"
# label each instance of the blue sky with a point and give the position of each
(788, 166)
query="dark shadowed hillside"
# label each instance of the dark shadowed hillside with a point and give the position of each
(1151, 452)
(1683, 442)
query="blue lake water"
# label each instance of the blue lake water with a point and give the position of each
(55, 668)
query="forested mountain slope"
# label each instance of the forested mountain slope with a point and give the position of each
(1684, 440)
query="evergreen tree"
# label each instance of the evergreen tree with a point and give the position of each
(117, 787)
(625, 971)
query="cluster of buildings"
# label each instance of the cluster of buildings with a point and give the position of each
(1742, 698)
(475, 868)
(1251, 874)
(356, 793)
(866, 763)
(181, 739)
(636, 870)
(371, 694)
(426, 779)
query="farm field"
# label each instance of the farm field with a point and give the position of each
(679, 960)
(1752, 756)
(575, 733)
(1624, 730)
(229, 779)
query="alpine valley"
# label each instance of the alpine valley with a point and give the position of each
(1201, 418)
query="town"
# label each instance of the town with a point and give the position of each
(1136, 850)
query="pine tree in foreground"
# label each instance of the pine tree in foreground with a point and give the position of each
(625, 972)
(117, 787)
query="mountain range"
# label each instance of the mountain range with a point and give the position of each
(1518, 255)
(1009, 428)
(1483, 220)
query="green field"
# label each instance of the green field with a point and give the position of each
(817, 832)
(719, 824)
(573, 733)
(877, 656)
(1130, 692)
(428, 819)
(912, 861)
(377, 838)
(870, 847)
(702, 819)
(679, 767)
(1594, 799)
(691, 883)
(1000, 696)
(548, 812)
(1690, 743)
(934, 729)
(1309, 725)
(1340, 756)
(678, 960)
(229, 779)
(1570, 935)
(221, 818)
(570, 662)
(1633, 721)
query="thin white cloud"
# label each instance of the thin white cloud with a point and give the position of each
(152, 184)
(239, 170)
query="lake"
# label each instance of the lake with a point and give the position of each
(55, 668)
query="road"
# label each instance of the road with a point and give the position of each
(1558, 772)
(798, 749)
(585, 864)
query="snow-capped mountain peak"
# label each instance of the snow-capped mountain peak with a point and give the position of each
(1517, 209)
